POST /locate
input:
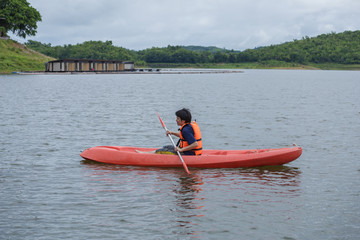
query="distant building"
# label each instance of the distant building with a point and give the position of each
(88, 65)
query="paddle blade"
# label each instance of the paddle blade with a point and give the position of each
(162, 123)
(185, 167)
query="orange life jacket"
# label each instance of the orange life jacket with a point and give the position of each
(197, 135)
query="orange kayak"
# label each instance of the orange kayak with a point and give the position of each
(209, 159)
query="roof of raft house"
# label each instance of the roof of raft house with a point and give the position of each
(89, 60)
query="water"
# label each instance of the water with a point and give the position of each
(48, 192)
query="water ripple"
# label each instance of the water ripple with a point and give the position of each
(47, 192)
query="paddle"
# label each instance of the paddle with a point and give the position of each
(172, 141)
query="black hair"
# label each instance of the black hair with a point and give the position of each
(184, 114)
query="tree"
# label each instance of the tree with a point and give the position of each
(20, 17)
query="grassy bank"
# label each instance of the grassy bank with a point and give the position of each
(334, 66)
(15, 57)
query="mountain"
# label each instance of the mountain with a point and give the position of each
(15, 57)
(211, 49)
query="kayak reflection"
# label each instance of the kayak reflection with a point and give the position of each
(182, 203)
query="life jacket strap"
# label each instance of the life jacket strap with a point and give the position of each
(184, 140)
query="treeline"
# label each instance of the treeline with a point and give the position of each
(87, 50)
(342, 48)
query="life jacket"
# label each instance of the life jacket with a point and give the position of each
(197, 135)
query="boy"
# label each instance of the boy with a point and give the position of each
(190, 142)
(189, 134)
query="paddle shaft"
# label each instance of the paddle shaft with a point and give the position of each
(172, 141)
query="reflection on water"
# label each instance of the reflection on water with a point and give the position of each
(188, 202)
(186, 199)
(186, 191)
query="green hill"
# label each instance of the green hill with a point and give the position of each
(15, 57)
(340, 48)
(326, 51)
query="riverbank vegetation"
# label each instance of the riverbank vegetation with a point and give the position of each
(327, 51)
(333, 50)
(17, 57)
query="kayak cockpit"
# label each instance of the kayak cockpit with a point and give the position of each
(216, 152)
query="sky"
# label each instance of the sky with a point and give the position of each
(230, 24)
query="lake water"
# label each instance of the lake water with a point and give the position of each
(48, 192)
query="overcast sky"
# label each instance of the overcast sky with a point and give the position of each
(230, 24)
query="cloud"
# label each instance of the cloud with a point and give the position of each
(230, 24)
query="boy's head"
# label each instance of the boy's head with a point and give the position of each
(184, 114)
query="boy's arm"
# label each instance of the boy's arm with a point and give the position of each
(173, 133)
(187, 148)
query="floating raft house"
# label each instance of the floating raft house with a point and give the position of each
(88, 65)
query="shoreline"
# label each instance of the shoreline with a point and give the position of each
(138, 71)
(222, 68)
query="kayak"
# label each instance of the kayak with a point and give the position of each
(122, 155)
